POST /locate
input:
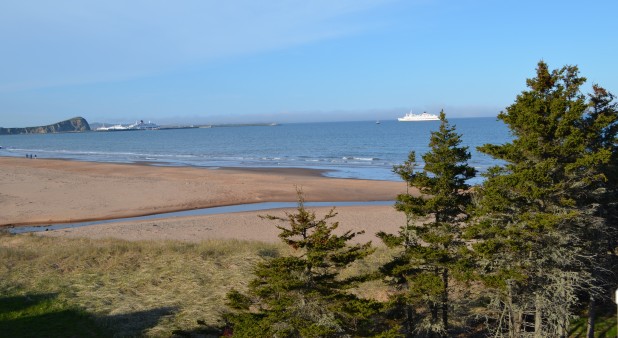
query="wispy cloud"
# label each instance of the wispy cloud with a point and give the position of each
(67, 42)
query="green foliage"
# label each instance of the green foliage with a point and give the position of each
(432, 250)
(543, 225)
(304, 295)
(237, 300)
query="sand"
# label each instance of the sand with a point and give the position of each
(41, 192)
(240, 226)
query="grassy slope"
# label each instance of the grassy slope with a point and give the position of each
(128, 288)
(98, 288)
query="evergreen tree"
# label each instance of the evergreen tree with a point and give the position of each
(601, 205)
(541, 221)
(303, 295)
(432, 251)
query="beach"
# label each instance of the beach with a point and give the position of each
(42, 192)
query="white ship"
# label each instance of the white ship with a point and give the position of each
(112, 128)
(418, 117)
(138, 125)
(144, 126)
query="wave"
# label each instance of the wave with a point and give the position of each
(354, 158)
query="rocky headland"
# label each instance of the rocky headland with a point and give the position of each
(74, 125)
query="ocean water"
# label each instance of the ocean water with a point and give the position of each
(346, 149)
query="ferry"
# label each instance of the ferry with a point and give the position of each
(409, 117)
(144, 126)
(112, 128)
(138, 125)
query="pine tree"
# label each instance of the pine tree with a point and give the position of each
(432, 251)
(539, 220)
(303, 295)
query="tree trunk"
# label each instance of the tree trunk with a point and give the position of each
(518, 320)
(591, 317)
(538, 317)
(434, 303)
(563, 321)
(409, 317)
(512, 331)
(434, 311)
(515, 317)
(445, 299)
(592, 307)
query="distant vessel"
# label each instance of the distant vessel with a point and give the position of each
(378, 122)
(144, 126)
(112, 128)
(136, 126)
(418, 117)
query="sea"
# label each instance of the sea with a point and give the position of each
(359, 150)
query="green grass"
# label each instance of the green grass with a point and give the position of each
(605, 327)
(89, 288)
(42, 315)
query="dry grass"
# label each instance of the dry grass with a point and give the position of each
(147, 288)
(132, 288)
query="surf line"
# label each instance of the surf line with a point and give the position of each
(197, 212)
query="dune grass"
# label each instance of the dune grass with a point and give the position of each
(123, 288)
(100, 288)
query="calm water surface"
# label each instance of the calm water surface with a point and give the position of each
(349, 149)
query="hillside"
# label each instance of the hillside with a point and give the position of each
(76, 124)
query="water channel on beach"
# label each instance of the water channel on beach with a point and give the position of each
(196, 212)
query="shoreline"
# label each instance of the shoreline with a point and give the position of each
(51, 191)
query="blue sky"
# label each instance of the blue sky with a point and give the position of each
(203, 61)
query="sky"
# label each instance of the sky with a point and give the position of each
(212, 61)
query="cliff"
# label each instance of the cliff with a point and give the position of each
(76, 124)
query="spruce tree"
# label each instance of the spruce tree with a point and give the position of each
(304, 295)
(431, 251)
(541, 223)
(600, 204)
